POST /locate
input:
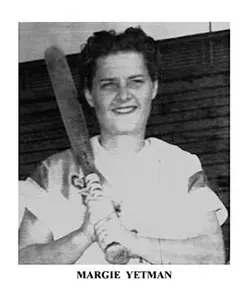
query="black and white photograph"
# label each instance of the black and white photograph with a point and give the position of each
(124, 143)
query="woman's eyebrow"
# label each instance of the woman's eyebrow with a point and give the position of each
(107, 79)
(137, 76)
(112, 79)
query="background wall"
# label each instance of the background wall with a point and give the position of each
(191, 110)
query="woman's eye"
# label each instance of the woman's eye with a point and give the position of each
(137, 82)
(108, 85)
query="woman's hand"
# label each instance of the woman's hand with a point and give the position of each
(110, 229)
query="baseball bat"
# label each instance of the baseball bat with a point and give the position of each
(76, 128)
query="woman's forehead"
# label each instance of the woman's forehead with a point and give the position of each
(121, 64)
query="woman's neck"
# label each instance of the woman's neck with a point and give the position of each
(122, 145)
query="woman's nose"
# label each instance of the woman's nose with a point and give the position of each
(124, 93)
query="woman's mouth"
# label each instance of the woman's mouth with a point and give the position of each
(125, 110)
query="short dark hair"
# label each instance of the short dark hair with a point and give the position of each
(103, 43)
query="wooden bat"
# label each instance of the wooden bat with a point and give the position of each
(76, 128)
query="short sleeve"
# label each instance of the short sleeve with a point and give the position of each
(204, 200)
(31, 189)
(51, 208)
(42, 193)
(32, 197)
(202, 197)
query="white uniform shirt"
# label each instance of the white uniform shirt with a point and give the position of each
(152, 189)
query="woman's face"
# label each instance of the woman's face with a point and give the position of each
(122, 93)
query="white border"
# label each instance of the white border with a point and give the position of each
(58, 282)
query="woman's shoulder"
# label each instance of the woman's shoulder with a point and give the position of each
(175, 157)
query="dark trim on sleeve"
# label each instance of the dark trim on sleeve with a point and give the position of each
(40, 176)
(197, 180)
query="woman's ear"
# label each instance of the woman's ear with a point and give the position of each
(155, 89)
(88, 97)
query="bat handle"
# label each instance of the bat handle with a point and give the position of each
(115, 253)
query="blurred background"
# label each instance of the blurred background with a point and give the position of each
(35, 37)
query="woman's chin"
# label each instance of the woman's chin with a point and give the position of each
(126, 129)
